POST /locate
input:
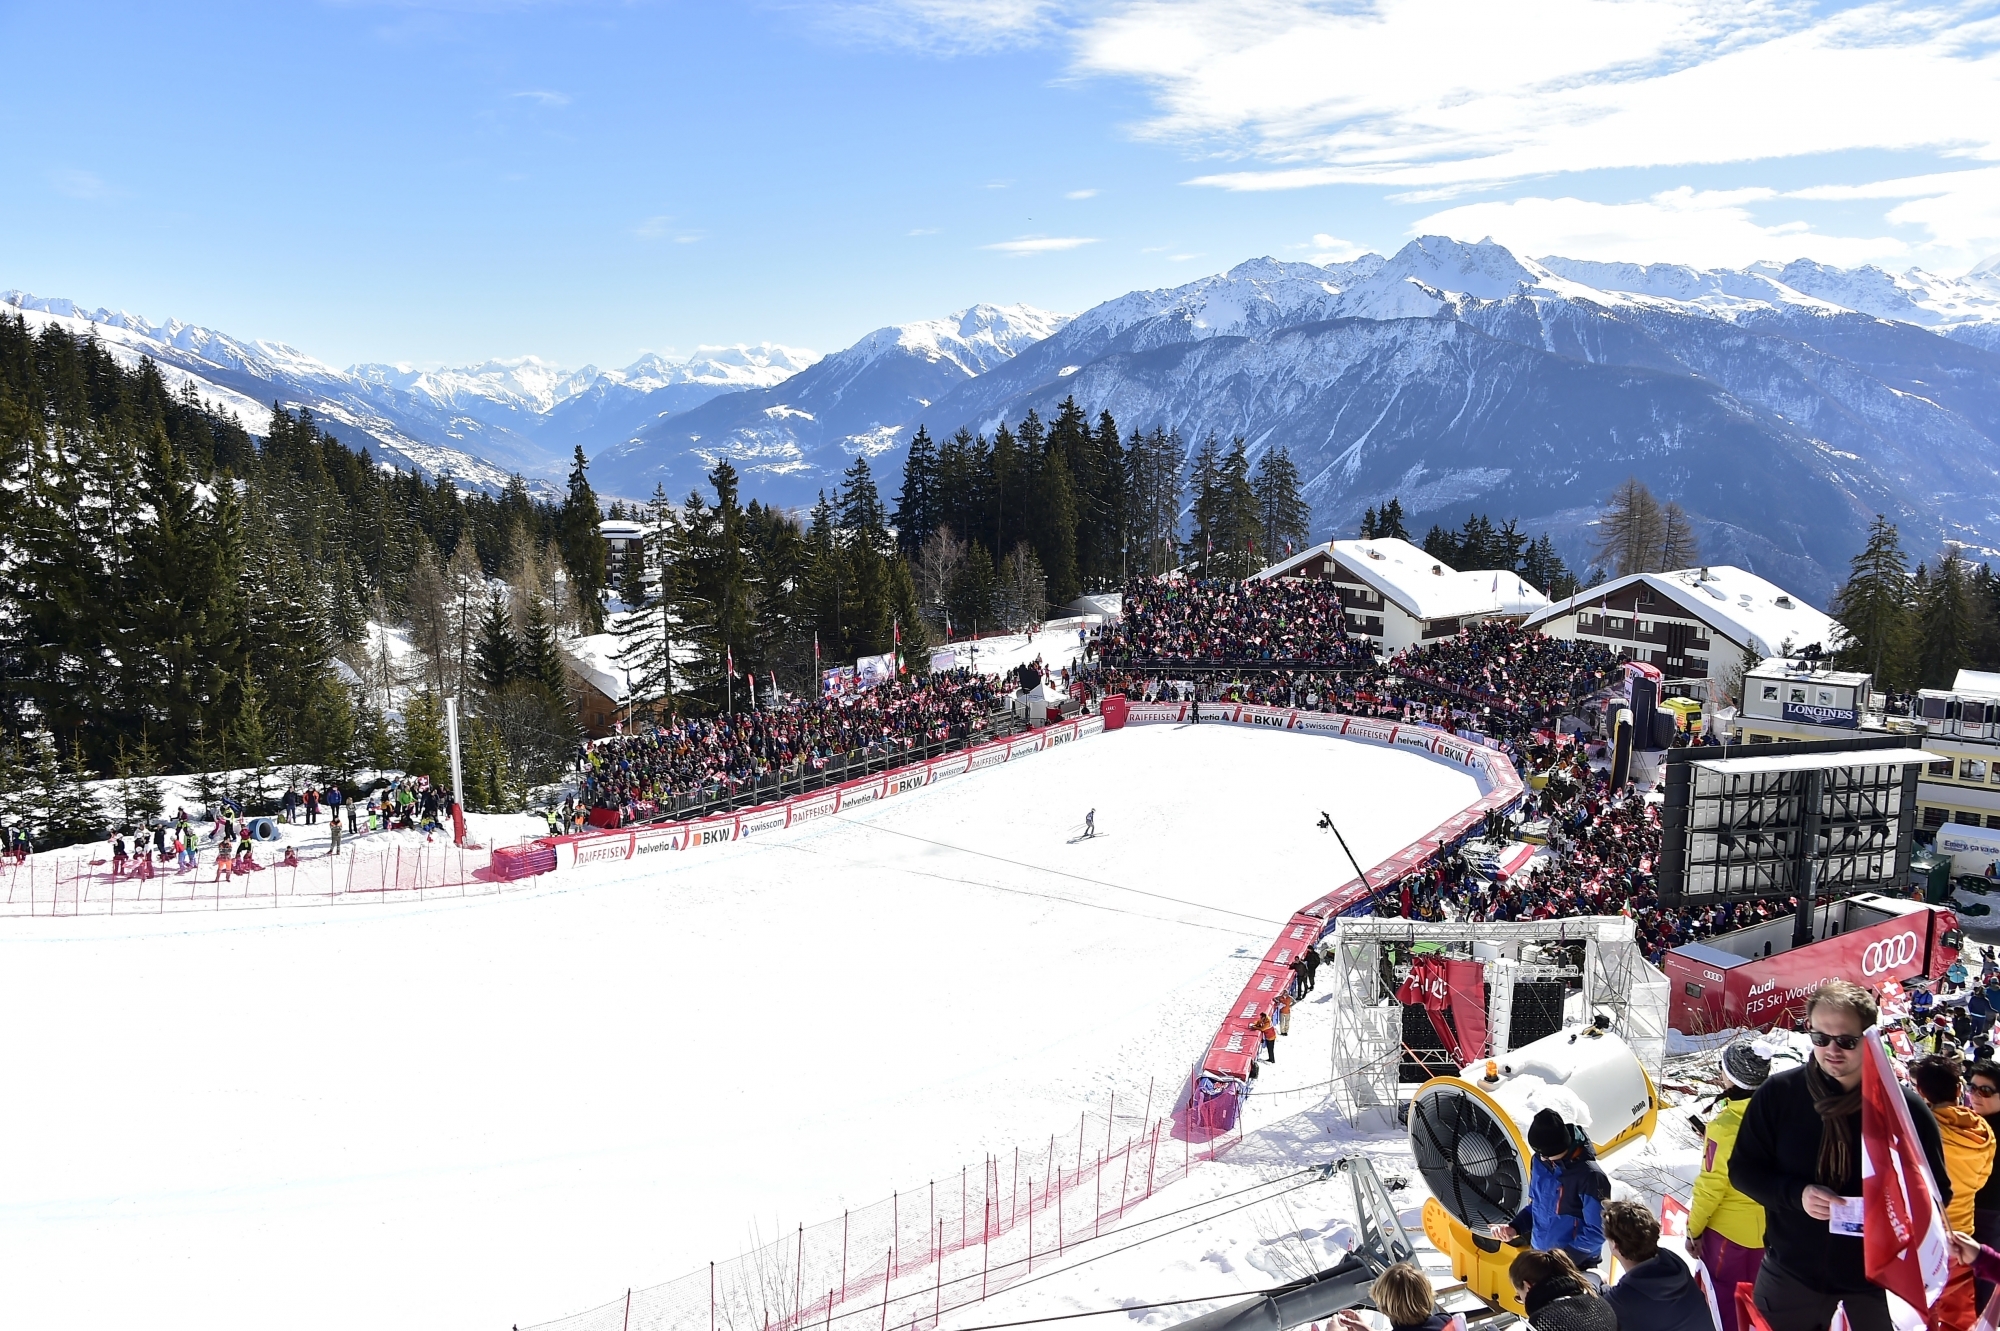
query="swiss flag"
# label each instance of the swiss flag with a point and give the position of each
(1904, 1238)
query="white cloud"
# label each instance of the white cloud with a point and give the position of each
(543, 97)
(1960, 210)
(1332, 249)
(1706, 228)
(941, 27)
(1081, 194)
(1022, 246)
(1445, 93)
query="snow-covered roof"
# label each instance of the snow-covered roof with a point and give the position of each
(619, 529)
(595, 657)
(1760, 614)
(1976, 681)
(1421, 584)
(1111, 605)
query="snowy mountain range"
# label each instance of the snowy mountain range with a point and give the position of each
(793, 439)
(479, 425)
(1783, 405)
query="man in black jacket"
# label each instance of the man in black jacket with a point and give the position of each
(1799, 1154)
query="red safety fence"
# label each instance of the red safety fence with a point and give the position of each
(49, 885)
(908, 1259)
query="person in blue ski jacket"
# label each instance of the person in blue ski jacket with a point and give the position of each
(1567, 1190)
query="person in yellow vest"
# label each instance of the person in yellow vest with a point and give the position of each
(1968, 1158)
(1726, 1228)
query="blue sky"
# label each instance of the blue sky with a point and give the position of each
(440, 183)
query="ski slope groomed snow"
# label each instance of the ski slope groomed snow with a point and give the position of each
(464, 1115)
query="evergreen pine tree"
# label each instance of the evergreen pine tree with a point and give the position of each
(1441, 545)
(1368, 521)
(76, 815)
(1947, 623)
(972, 596)
(423, 751)
(916, 505)
(498, 656)
(582, 543)
(1389, 522)
(250, 746)
(1874, 607)
(541, 658)
(1283, 516)
(1053, 524)
(140, 798)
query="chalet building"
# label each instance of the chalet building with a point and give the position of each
(1697, 623)
(1398, 596)
(623, 542)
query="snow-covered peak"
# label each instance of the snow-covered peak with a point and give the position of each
(263, 359)
(975, 339)
(734, 367)
(1914, 296)
(1254, 295)
(528, 382)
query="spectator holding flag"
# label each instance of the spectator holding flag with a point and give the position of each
(1799, 1154)
(1968, 1155)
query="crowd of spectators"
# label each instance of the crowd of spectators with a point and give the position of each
(696, 756)
(1498, 666)
(1221, 621)
(1604, 850)
(1490, 678)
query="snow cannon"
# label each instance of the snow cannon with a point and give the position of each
(262, 829)
(1469, 1136)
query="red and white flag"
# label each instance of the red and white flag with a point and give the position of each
(1905, 1242)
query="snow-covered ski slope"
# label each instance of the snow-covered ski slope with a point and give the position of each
(472, 1114)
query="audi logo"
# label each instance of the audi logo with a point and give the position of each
(1888, 953)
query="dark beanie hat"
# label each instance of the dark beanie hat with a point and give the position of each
(1548, 1134)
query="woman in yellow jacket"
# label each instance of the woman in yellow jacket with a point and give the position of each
(1968, 1158)
(1726, 1228)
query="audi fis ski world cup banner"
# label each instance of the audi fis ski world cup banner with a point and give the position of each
(1885, 940)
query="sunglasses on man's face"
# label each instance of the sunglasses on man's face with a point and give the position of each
(1821, 1040)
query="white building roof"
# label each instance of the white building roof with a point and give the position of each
(1759, 614)
(619, 529)
(595, 657)
(1976, 681)
(1781, 667)
(1422, 585)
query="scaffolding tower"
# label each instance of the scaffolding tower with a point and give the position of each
(1617, 983)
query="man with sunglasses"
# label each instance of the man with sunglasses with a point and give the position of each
(1799, 1154)
(1982, 1091)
